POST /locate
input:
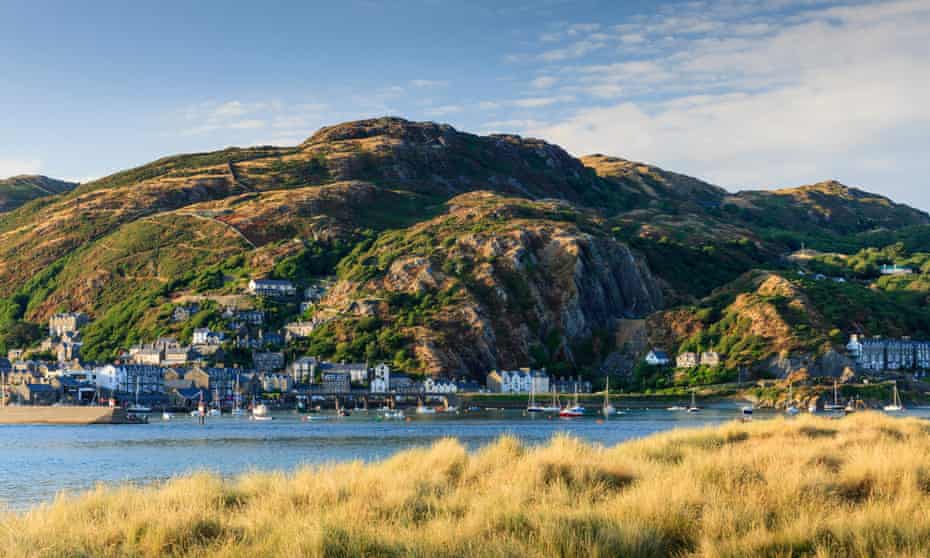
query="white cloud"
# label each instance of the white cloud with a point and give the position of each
(443, 110)
(544, 82)
(536, 102)
(423, 83)
(832, 92)
(510, 126)
(574, 50)
(13, 167)
(488, 105)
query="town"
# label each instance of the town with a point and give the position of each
(165, 374)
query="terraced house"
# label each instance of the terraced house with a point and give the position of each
(879, 354)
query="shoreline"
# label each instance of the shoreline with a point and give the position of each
(711, 491)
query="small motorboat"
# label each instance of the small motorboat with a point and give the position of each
(747, 412)
(166, 416)
(676, 408)
(215, 413)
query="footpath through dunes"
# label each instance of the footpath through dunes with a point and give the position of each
(859, 486)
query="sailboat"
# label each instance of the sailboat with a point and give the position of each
(693, 408)
(790, 408)
(836, 405)
(136, 408)
(216, 411)
(532, 407)
(576, 410)
(237, 410)
(896, 402)
(608, 409)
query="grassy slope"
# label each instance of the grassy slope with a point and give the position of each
(807, 487)
(20, 190)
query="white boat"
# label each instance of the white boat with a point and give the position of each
(261, 412)
(790, 408)
(812, 407)
(836, 405)
(237, 410)
(394, 415)
(896, 402)
(850, 407)
(136, 408)
(693, 408)
(608, 409)
(166, 416)
(215, 412)
(747, 411)
(423, 409)
(676, 408)
(311, 418)
(532, 407)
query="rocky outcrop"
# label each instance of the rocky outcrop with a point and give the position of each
(520, 280)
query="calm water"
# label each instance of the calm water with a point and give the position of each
(36, 462)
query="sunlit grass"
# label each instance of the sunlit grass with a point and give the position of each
(808, 487)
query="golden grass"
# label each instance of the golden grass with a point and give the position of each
(808, 487)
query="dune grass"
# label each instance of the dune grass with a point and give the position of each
(859, 486)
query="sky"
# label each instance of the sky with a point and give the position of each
(746, 94)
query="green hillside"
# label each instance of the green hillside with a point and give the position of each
(449, 252)
(19, 190)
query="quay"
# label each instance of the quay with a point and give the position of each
(76, 415)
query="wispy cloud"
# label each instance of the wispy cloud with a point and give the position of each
(748, 94)
(443, 110)
(424, 83)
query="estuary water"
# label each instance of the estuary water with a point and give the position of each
(37, 462)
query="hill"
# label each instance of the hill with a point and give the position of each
(448, 252)
(18, 190)
(805, 487)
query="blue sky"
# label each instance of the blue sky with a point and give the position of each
(744, 93)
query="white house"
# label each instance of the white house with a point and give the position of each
(272, 288)
(381, 379)
(688, 360)
(203, 336)
(895, 270)
(510, 381)
(854, 347)
(657, 357)
(128, 378)
(439, 385)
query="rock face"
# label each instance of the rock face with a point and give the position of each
(517, 280)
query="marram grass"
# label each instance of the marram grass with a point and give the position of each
(859, 486)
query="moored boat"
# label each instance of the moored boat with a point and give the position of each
(896, 405)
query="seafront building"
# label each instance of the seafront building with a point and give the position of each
(878, 354)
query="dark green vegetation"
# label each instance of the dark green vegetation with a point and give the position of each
(452, 252)
(19, 190)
